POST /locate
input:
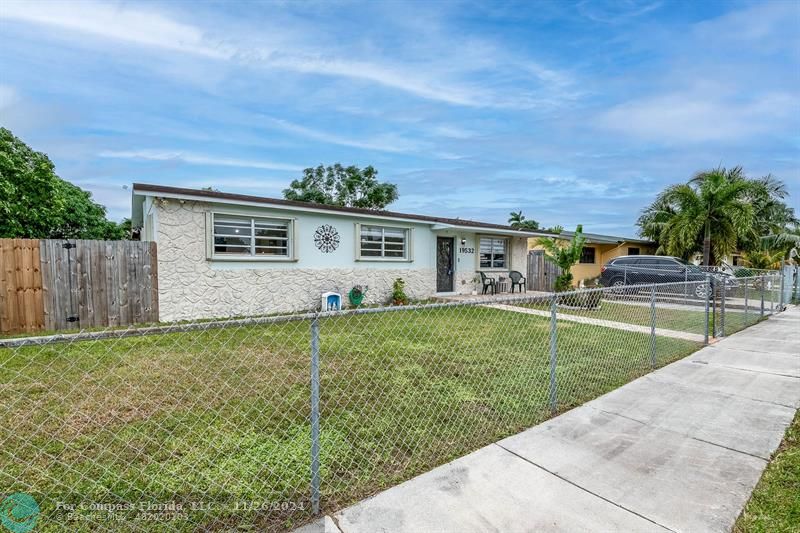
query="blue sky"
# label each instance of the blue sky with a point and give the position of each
(574, 112)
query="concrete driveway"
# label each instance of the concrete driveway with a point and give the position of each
(677, 450)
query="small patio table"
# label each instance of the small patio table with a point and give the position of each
(502, 284)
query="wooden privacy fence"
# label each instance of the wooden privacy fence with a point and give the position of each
(21, 291)
(71, 284)
(542, 273)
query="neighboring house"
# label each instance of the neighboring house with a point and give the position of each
(598, 250)
(222, 255)
(735, 259)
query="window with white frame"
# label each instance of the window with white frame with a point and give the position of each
(493, 252)
(255, 237)
(381, 242)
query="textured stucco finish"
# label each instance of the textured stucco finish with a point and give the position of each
(193, 287)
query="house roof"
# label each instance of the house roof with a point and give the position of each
(597, 238)
(144, 189)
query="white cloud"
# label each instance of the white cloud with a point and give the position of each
(572, 186)
(762, 25)
(394, 77)
(448, 156)
(453, 132)
(615, 12)
(197, 159)
(432, 79)
(8, 97)
(691, 117)
(382, 142)
(116, 21)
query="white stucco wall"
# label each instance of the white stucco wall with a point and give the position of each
(191, 286)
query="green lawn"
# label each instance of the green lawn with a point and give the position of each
(688, 320)
(220, 418)
(774, 506)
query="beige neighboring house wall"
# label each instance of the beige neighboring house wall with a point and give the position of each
(604, 252)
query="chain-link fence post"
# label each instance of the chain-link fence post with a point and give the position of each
(686, 288)
(707, 306)
(713, 291)
(653, 326)
(771, 295)
(553, 353)
(315, 480)
(746, 304)
(722, 311)
(783, 276)
(761, 281)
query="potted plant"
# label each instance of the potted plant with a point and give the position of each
(476, 283)
(356, 295)
(398, 292)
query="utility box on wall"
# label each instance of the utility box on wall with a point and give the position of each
(331, 301)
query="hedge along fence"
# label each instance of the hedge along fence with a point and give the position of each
(53, 284)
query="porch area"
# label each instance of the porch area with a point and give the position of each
(500, 297)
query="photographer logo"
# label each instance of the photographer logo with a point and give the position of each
(19, 512)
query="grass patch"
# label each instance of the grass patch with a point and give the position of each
(638, 313)
(774, 506)
(218, 420)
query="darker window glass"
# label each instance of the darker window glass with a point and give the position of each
(588, 255)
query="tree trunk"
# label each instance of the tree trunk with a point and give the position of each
(707, 244)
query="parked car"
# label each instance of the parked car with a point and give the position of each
(649, 269)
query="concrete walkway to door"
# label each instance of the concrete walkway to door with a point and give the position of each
(677, 450)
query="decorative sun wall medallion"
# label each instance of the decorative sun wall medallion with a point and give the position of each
(326, 238)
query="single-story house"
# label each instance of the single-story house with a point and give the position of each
(222, 254)
(599, 250)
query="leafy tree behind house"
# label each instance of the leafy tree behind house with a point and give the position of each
(36, 204)
(564, 255)
(517, 220)
(342, 186)
(716, 212)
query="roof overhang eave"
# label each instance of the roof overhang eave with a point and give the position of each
(487, 230)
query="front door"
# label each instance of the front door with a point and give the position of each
(444, 264)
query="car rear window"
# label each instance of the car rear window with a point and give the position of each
(651, 262)
(626, 261)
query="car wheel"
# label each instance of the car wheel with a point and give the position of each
(618, 284)
(700, 291)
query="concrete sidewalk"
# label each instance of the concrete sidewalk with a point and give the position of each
(677, 450)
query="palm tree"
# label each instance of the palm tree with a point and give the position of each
(710, 212)
(518, 220)
(763, 258)
(785, 240)
(653, 220)
(515, 218)
(771, 216)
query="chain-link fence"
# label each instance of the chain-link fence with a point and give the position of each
(261, 423)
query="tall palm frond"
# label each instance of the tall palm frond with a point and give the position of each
(717, 212)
